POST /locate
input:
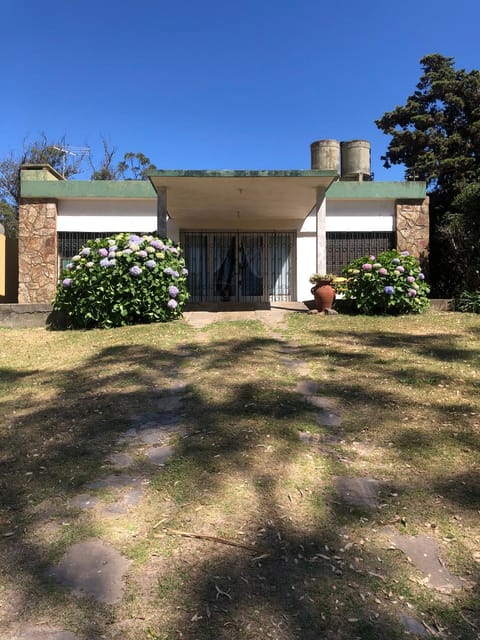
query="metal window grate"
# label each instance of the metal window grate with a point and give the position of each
(343, 247)
(70, 242)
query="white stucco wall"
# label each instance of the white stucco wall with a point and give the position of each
(360, 215)
(107, 215)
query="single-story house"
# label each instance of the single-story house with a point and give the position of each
(248, 236)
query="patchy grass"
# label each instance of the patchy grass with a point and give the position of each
(408, 391)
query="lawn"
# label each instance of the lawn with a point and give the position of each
(252, 465)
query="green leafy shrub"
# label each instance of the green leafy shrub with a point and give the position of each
(391, 283)
(122, 280)
(468, 302)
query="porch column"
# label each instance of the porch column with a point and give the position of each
(321, 209)
(162, 213)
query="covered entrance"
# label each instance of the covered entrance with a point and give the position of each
(240, 267)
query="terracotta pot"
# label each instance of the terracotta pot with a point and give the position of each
(324, 295)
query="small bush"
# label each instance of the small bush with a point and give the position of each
(391, 283)
(123, 280)
(468, 302)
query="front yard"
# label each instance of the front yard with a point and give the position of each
(261, 430)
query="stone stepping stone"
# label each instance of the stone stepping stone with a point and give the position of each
(320, 439)
(124, 503)
(423, 552)
(158, 420)
(154, 435)
(120, 460)
(327, 418)
(160, 455)
(114, 482)
(121, 505)
(323, 402)
(358, 492)
(85, 501)
(43, 633)
(93, 568)
(412, 626)
(178, 387)
(171, 403)
(306, 387)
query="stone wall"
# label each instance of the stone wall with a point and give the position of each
(37, 252)
(412, 228)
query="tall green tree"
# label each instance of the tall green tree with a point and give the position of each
(436, 136)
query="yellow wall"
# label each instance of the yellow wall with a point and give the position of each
(3, 264)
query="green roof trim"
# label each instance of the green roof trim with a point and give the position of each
(71, 189)
(261, 173)
(343, 190)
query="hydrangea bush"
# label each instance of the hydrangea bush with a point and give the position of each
(391, 283)
(122, 280)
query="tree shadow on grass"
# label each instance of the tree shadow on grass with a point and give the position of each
(293, 594)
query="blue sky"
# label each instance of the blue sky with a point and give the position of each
(218, 84)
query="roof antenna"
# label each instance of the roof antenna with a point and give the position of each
(68, 150)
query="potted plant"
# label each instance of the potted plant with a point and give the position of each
(323, 291)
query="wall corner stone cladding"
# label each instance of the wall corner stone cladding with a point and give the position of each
(37, 252)
(413, 228)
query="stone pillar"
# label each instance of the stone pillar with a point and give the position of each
(321, 208)
(412, 228)
(37, 251)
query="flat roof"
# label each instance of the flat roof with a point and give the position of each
(244, 194)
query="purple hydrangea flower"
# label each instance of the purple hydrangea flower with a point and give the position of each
(103, 252)
(85, 252)
(135, 271)
(134, 239)
(396, 261)
(421, 276)
(184, 272)
(400, 268)
(173, 250)
(383, 271)
(158, 244)
(175, 274)
(112, 254)
(168, 271)
(410, 279)
(372, 258)
(70, 266)
(66, 283)
(127, 251)
(172, 304)
(104, 262)
(404, 253)
(142, 253)
(412, 293)
(151, 264)
(173, 291)
(389, 290)
(367, 266)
